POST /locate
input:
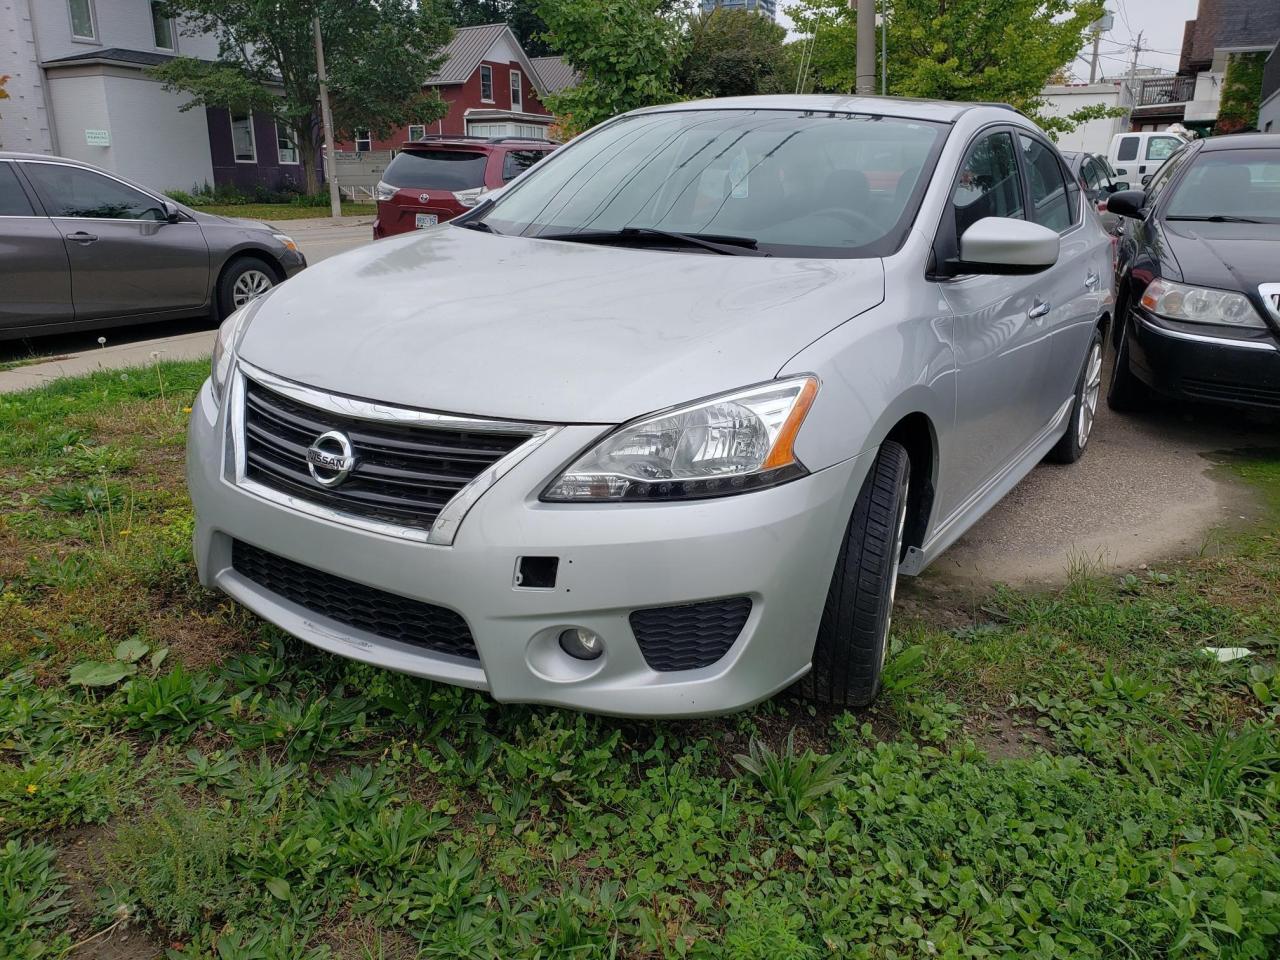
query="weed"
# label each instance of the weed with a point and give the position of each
(33, 902)
(794, 781)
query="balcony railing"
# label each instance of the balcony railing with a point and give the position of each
(1158, 90)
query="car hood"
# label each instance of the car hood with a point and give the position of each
(1230, 256)
(466, 322)
(213, 219)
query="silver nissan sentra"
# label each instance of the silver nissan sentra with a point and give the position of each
(654, 430)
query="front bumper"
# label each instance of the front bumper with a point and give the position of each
(776, 546)
(1181, 360)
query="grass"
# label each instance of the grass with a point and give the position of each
(285, 211)
(1058, 774)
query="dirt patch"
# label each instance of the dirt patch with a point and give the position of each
(78, 851)
(1146, 490)
(1006, 735)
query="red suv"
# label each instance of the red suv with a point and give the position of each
(438, 177)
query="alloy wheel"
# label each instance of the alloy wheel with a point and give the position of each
(1092, 387)
(900, 529)
(250, 284)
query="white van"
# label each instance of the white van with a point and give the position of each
(1135, 156)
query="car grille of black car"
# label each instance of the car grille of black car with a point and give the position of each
(404, 473)
(383, 614)
(691, 635)
(1232, 392)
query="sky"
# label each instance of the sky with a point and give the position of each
(1160, 21)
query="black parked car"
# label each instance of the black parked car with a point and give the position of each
(1099, 180)
(1198, 278)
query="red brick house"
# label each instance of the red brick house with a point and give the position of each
(492, 87)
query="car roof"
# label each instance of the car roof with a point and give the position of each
(1241, 141)
(447, 141)
(14, 155)
(943, 111)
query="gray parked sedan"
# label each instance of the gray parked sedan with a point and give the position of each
(82, 248)
(654, 431)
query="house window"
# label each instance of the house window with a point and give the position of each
(162, 27)
(364, 141)
(83, 25)
(242, 142)
(286, 149)
(417, 131)
(486, 83)
(516, 88)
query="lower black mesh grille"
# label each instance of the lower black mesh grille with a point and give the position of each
(689, 636)
(385, 614)
(1231, 392)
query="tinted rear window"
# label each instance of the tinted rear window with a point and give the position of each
(1128, 149)
(437, 169)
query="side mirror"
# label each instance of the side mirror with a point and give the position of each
(1115, 186)
(1146, 179)
(1128, 203)
(171, 213)
(1004, 245)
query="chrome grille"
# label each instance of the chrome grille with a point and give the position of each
(404, 473)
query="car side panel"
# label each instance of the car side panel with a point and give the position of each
(36, 286)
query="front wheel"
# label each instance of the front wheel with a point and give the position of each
(246, 279)
(853, 637)
(1085, 408)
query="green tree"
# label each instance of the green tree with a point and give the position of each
(987, 50)
(732, 53)
(521, 15)
(377, 53)
(626, 51)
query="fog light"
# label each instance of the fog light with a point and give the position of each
(581, 644)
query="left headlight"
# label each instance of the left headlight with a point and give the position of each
(1179, 301)
(729, 444)
(224, 349)
(287, 240)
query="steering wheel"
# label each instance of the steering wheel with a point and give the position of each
(856, 218)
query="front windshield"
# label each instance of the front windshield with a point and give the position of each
(1234, 184)
(798, 183)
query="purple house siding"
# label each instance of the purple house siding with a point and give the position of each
(266, 172)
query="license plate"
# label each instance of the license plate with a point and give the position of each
(421, 220)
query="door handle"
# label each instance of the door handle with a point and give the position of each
(81, 237)
(1091, 281)
(1041, 309)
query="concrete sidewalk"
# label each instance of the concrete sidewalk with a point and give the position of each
(188, 346)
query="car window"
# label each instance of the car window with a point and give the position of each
(13, 201)
(799, 183)
(517, 162)
(1092, 177)
(989, 184)
(1161, 148)
(437, 169)
(1160, 179)
(1128, 149)
(1230, 183)
(1050, 205)
(69, 191)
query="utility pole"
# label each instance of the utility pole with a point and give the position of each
(326, 118)
(866, 50)
(1130, 84)
(1093, 64)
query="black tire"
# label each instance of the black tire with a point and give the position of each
(1085, 408)
(853, 637)
(1125, 391)
(240, 278)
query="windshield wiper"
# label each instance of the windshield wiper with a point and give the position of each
(479, 225)
(1216, 218)
(729, 246)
